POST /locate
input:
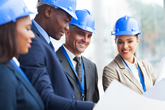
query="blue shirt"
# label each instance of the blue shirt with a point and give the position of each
(42, 31)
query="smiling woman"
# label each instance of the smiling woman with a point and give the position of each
(126, 45)
(16, 92)
(135, 73)
(24, 34)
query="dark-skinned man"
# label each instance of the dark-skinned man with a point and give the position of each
(41, 64)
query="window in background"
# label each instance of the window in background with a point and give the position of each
(150, 15)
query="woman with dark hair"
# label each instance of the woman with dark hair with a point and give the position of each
(131, 71)
(16, 92)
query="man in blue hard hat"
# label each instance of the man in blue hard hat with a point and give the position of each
(42, 66)
(81, 71)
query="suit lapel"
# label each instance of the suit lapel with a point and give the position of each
(66, 64)
(144, 74)
(27, 85)
(40, 38)
(128, 73)
(86, 75)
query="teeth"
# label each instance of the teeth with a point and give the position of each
(125, 51)
(82, 44)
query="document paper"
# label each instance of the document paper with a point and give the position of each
(161, 70)
(157, 91)
(119, 97)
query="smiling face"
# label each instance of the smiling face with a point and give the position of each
(24, 34)
(58, 22)
(77, 40)
(126, 45)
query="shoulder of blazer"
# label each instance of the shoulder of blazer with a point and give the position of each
(6, 69)
(8, 66)
(117, 62)
(60, 54)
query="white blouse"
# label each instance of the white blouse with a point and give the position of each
(134, 69)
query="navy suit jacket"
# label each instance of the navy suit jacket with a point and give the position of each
(91, 77)
(16, 93)
(48, 77)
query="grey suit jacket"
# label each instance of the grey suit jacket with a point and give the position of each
(119, 71)
(91, 78)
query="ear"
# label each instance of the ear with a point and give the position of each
(138, 40)
(115, 40)
(48, 11)
(67, 33)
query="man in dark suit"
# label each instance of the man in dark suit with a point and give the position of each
(78, 37)
(41, 64)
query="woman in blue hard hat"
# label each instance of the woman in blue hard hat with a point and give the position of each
(135, 73)
(16, 92)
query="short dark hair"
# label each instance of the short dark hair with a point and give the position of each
(8, 41)
(71, 27)
(137, 35)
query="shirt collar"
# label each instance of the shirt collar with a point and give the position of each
(16, 61)
(42, 31)
(70, 54)
(135, 62)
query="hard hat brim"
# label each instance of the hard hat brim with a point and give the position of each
(19, 16)
(71, 13)
(27, 14)
(125, 33)
(85, 28)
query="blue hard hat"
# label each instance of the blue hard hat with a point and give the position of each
(68, 6)
(85, 21)
(10, 10)
(126, 26)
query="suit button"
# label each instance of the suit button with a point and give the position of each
(73, 96)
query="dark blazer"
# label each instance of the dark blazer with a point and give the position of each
(91, 77)
(117, 70)
(16, 93)
(48, 77)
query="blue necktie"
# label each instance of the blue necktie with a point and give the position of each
(51, 45)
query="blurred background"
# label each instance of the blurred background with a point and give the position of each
(102, 50)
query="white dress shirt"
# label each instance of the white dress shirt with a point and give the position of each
(71, 56)
(16, 61)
